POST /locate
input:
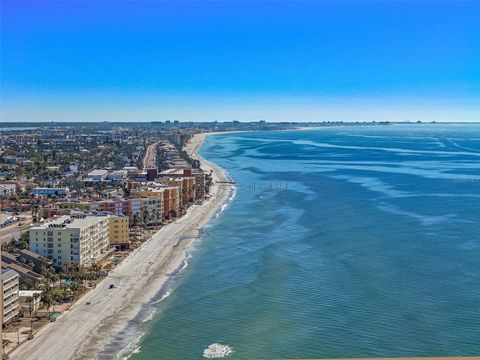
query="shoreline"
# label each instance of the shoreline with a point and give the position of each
(84, 331)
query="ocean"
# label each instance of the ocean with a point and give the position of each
(339, 242)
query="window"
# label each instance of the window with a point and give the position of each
(59, 251)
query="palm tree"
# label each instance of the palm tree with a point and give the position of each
(29, 302)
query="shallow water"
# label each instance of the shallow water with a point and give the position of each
(341, 242)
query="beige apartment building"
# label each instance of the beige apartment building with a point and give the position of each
(78, 240)
(168, 196)
(119, 232)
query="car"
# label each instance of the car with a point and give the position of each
(112, 286)
(88, 303)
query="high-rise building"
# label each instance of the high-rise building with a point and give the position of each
(10, 295)
(79, 240)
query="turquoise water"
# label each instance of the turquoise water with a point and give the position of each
(341, 242)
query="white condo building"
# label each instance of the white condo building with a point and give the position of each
(10, 281)
(72, 240)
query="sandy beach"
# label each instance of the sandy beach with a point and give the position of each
(84, 330)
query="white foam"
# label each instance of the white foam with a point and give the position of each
(163, 297)
(132, 348)
(184, 265)
(149, 317)
(229, 200)
(216, 351)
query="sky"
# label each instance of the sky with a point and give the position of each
(239, 60)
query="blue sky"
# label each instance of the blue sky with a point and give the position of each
(227, 60)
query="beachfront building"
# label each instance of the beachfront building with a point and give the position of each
(78, 240)
(119, 232)
(152, 205)
(186, 186)
(169, 196)
(10, 295)
(171, 201)
(200, 182)
(180, 138)
(116, 207)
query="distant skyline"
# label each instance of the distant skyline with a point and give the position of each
(247, 61)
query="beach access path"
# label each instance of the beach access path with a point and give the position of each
(83, 331)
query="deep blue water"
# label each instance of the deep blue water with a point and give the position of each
(341, 242)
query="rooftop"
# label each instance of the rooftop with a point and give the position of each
(31, 254)
(7, 274)
(98, 173)
(21, 270)
(70, 222)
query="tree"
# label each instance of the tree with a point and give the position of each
(35, 297)
(48, 300)
(145, 216)
(135, 220)
(29, 302)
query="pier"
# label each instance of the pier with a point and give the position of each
(225, 183)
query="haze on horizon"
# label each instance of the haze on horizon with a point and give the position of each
(277, 61)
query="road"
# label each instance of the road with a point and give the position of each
(150, 159)
(14, 231)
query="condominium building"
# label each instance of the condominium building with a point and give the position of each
(78, 240)
(168, 196)
(10, 295)
(115, 207)
(119, 233)
(185, 186)
(171, 201)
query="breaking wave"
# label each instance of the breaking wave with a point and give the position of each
(216, 351)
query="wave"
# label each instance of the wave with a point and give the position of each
(216, 350)
(149, 317)
(163, 297)
(228, 201)
(132, 348)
